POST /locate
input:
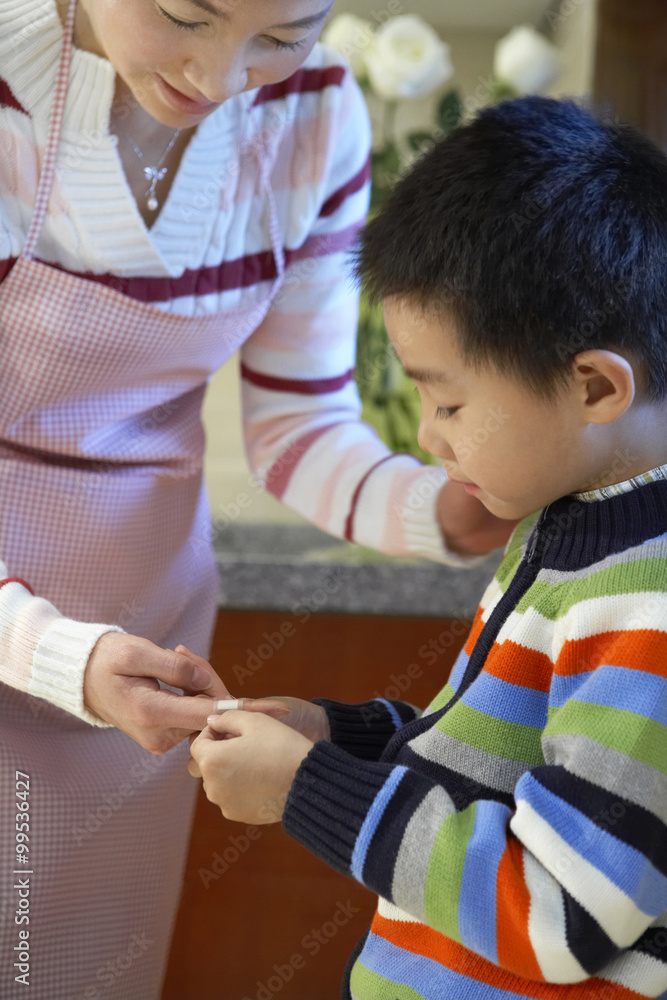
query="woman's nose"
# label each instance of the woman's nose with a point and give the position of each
(219, 81)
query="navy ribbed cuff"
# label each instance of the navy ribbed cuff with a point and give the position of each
(329, 801)
(364, 730)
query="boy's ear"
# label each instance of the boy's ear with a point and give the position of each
(607, 384)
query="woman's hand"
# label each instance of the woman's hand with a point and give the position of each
(248, 762)
(120, 685)
(302, 716)
(469, 528)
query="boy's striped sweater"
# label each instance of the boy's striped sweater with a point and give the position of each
(516, 833)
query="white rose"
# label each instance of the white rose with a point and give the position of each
(527, 60)
(350, 36)
(407, 59)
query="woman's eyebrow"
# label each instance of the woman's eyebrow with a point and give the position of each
(302, 22)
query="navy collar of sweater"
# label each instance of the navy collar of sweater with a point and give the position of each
(581, 529)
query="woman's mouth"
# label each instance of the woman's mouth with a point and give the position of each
(180, 102)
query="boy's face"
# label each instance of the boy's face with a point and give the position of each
(517, 451)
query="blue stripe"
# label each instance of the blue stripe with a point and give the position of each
(631, 690)
(564, 688)
(425, 976)
(506, 701)
(458, 669)
(373, 817)
(626, 867)
(477, 898)
(395, 717)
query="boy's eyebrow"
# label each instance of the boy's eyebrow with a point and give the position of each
(428, 376)
(302, 22)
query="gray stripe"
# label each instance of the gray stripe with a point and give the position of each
(409, 884)
(647, 550)
(629, 778)
(498, 773)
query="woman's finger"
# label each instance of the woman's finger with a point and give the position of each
(266, 706)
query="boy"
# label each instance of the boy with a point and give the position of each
(516, 831)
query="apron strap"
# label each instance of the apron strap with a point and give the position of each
(57, 111)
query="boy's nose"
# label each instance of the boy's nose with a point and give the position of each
(432, 442)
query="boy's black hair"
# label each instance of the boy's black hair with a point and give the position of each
(543, 229)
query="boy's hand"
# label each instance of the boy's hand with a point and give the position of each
(248, 762)
(469, 528)
(304, 717)
(120, 685)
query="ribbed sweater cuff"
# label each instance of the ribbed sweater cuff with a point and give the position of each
(364, 730)
(329, 801)
(59, 662)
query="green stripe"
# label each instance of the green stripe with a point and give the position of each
(442, 698)
(369, 985)
(512, 558)
(637, 737)
(445, 872)
(553, 600)
(510, 740)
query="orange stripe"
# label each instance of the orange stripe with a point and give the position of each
(477, 627)
(645, 649)
(422, 940)
(515, 951)
(514, 663)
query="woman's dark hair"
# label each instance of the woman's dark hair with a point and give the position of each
(542, 229)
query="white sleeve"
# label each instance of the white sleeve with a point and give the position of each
(42, 652)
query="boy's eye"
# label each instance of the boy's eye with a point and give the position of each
(188, 25)
(443, 412)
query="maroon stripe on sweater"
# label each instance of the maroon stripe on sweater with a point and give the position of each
(335, 200)
(349, 523)
(17, 579)
(230, 274)
(301, 82)
(303, 387)
(7, 99)
(282, 470)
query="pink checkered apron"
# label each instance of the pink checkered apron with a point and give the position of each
(103, 512)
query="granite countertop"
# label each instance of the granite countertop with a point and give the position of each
(300, 569)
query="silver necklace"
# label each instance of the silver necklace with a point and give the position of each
(156, 173)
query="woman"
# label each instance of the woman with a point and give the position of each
(181, 182)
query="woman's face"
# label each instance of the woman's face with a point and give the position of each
(180, 59)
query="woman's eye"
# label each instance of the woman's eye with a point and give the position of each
(278, 43)
(443, 412)
(188, 25)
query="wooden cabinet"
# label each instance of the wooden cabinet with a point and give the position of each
(260, 917)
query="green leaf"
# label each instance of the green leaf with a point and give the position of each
(500, 90)
(450, 111)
